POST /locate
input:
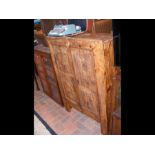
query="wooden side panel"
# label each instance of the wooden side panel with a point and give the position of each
(101, 84)
(37, 61)
(51, 78)
(49, 68)
(109, 70)
(111, 81)
(58, 48)
(65, 71)
(116, 97)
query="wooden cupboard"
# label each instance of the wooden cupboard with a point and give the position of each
(84, 67)
(46, 73)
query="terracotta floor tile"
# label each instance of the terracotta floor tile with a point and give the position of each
(61, 121)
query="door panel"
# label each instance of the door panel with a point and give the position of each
(37, 61)
(48, 67)
(84, 67)
(62, 61)
(76, 70)
(50, 78)
(42, 75)
(66, 74)
(55, 92)
(69, 88)
(88, 100)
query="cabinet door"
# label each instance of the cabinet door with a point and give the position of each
(84, 66)
(39, 61)
(49, 67)
(66, 74)
(51, 78)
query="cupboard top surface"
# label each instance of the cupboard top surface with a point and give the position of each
(100, 36)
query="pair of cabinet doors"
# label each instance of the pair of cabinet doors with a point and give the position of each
(44, 66)
(81, 67)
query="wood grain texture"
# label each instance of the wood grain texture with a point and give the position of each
(84, 68)
(116, 122)
(103, 26)
(46, 73)
(116, 101)
(58, 74)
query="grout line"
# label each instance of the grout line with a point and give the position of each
(45, 124)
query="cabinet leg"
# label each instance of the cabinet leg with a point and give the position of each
(104, 130)
(68, 107)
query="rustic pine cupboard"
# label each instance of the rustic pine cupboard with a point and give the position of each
(84, 66)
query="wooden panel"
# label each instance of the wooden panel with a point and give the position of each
(65, 72)
(42, 75)
(62, 61)
(116, 122)
(47, 74)
(116, 97)
(101, 84)
(89, 101)
(84, 70)
(49, 68)
(85, 73)
(37, 59)
(103, 26)
(69, 88)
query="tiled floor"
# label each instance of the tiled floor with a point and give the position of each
(39, 128)
(61, 121)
